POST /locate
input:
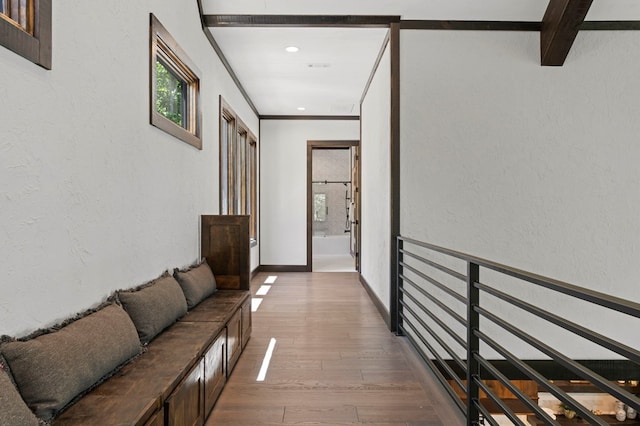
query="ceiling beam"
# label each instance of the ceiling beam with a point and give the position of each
(311, 117)
(373, 21)
(610, 26)
(560, 27)
(224, 61)
(470, 25)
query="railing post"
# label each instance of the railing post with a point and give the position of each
(473, 343)
(399, 272)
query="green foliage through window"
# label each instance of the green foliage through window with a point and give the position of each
(170, 95)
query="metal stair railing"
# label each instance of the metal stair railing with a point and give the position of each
(455, 320)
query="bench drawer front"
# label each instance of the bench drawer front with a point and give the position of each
(157, 419)
(185, 406)
(214, 374)
(246, 322)
(234, 341)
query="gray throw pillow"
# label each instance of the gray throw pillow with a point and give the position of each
(51, 370)
(154, 307)
(197, 283)
(13, 410)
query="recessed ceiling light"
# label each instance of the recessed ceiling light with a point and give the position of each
(291, 49)
(301, 108)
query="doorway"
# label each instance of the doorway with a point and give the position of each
(333, 206)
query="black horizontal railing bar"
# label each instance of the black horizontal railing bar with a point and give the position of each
(433, 334)
(434, 369)
(613, 345)
(564, 360)
(524, 398)
(435, 282)
(616, 303)
(444, 269)
(441, 361)
(499, 402)
(541, 380)
(486, 415)
(440, 304)
(437, 320)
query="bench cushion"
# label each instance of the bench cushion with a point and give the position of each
(13, 410)
(154, 307)
(197, 283)
(52, 369)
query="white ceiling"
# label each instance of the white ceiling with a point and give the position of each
(327, 75)
(278, 82)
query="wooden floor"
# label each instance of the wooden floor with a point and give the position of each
(335, 362)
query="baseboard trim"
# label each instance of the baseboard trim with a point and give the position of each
(376, 301)
(284, 268)
(254, 273)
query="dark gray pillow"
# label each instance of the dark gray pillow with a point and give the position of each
(52, 369)
(13, 410)
(154, 307)
(197, 283)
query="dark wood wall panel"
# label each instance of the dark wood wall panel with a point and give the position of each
(560, 26)
(226, 246)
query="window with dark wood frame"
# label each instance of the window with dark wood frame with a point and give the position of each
(252, 194)
(25, 28)
(175, 88)
(238, 168)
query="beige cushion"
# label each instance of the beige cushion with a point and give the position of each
(13, 410)
(154, 307)
(52, 369)
(197, 283)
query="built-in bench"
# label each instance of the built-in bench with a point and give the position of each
(180, 375)
(157, 354)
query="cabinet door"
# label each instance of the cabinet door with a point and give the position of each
(246, 322)
(214, 374)
(185, 406)
(234, 341)
(157, 419)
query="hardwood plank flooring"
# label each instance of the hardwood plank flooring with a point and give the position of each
(334, 363)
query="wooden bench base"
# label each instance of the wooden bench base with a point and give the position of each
(179, 377)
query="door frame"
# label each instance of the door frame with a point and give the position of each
(327, 144)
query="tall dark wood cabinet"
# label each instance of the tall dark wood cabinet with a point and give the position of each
(226, 246)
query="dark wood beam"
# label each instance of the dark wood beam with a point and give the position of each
(224, 60)
(470, 25)
(375, 69)
(560, 26)
(365, 21)
(311, 117)
(394, 160)
(610, 26)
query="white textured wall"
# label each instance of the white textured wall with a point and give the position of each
(283, 184)
(92, 197)
(376, 188)
(535, 167)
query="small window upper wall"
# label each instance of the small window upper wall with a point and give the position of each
(175, 88)
(25, 28)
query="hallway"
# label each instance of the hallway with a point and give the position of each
(334, 362)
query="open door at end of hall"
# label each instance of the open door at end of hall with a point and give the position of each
(354, 207)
